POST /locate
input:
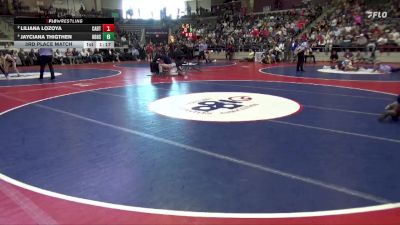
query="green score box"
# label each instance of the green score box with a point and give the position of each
(108, 36)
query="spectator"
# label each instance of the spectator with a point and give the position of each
(70, 56)
(359, 57)
(135, 53)
(250, 57)
(348, 55)
(293, 47)
(112, 55)
(77, 56)
(287, 50)
(334, 57)
(203, 51)
(33, 57)
(98, 55)
(58, 57)
(23, 57)
(309, 54)
(85, 56)
(229, 51)
(149, 51)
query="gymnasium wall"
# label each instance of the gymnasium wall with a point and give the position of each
(286, 4)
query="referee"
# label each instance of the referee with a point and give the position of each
(46, 58)
(300, 55)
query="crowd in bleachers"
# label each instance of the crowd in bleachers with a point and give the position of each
(277, 34)
(64, 13)
(127, 38)
(21, 8)
(248, 30)
(216, 10)
(272, 32)
(349, 26)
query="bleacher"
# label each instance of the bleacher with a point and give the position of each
(6, 32)
(6, 28)
(136, 26)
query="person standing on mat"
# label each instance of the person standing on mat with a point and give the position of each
(300, 55)
(46, 58)
(179, 57)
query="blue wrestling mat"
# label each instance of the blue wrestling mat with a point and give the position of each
(62, 75)
(321, 148)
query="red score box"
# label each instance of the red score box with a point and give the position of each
(108, 27)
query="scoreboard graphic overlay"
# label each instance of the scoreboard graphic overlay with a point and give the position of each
(64, 33)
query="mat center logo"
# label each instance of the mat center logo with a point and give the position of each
(230, 103)
(225, 106)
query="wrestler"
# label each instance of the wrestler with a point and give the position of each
(6, 61)
(392, 110)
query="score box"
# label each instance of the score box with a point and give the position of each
(108, 36)
(108, 27)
